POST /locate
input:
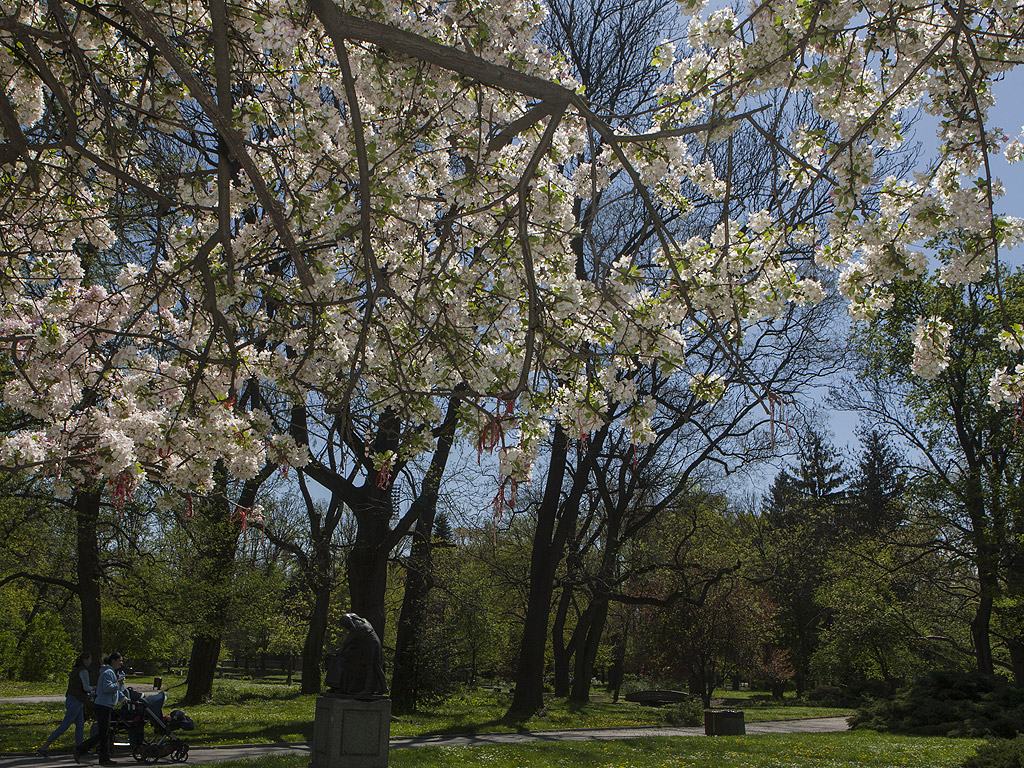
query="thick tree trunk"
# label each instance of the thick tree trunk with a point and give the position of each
(586, 655)
(368, 560)
(556, 521)
(409, 642)
(705, 695)
(87, 513)
(986, 560)
(313, 647)
(981, 631)
(981, 624)
(215, 536)
(202, 666)
(562, 651)
(618, 669)
(528, 697)
(596, 615)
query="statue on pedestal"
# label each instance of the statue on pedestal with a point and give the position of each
(356, 669)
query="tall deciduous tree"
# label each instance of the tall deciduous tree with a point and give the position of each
(969, 451)
(217, 523)
(311, 543)
(419, 570)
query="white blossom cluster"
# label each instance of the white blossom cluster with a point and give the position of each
(931, 340)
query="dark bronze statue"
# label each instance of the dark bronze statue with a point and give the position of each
(357, 668)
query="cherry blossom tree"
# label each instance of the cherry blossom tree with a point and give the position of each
(371, 207)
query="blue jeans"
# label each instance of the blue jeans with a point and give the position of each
(72, 714)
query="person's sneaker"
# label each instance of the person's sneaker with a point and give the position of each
(76, 753)
(43, 752)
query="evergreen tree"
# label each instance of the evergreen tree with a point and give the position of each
(876, 487)
(799, 530)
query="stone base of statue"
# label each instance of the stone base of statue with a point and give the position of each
(351, 733)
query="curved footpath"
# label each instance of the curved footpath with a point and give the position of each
(238, 752)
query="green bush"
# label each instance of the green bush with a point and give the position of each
(632, 684)
(944, 703)
(689, 712)
(853, 695)
(827, 696)
(1001, 753)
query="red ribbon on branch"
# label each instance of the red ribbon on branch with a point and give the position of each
(122, 490)
(384, 475)
(244, 516)
(493, 434)
(502, 502)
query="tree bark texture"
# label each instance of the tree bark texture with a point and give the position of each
(313, 646)
(562, 651)
(586, 653)
(408, 645)
(202, 667)
(368, 561)
(87, 513)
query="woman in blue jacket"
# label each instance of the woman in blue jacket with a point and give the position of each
(77, 694)
(109, 692)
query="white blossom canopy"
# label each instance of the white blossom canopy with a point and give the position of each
(374, 203)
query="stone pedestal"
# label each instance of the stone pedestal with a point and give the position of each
(348, 733)
(723, 722)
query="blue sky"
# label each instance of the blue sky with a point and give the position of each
(1008, 114)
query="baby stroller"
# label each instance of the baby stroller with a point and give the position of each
(138, 712)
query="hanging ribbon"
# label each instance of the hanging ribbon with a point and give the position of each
(384, 475)
(493, 434)
(122, 490)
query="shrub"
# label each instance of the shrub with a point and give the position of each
(634, 684)
(998, 753)
(689, 712)
(826, 695)
(854, 695)
(953, 704)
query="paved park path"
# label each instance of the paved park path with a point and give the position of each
(198, 755)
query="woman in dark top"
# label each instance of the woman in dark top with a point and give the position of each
(109, 693)
(77, 694)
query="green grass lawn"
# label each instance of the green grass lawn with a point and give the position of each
(855, 749)
(246, 712)
(20, 688)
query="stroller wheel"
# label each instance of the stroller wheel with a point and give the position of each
(139, 753)
(180, 755)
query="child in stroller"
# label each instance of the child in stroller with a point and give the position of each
(136, 713)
